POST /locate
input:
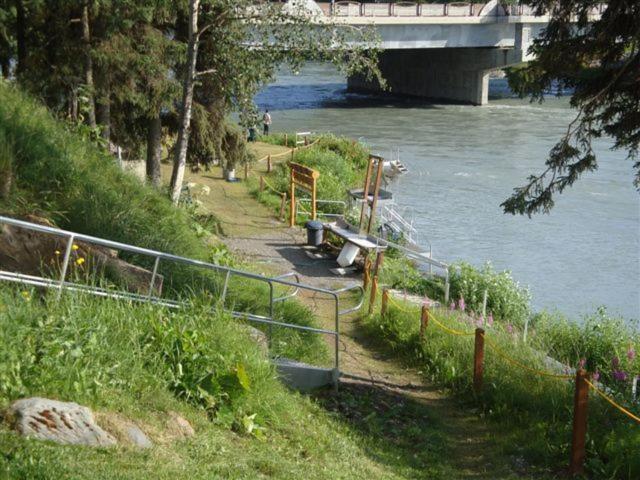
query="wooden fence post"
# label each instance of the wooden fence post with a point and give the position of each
(378, 264)
(246, 171)
(424, 320)
(283, 205)
(293, 151)
(261, 183)
(366, 278)
(579, 434)
(268, 163)
(385, 301)
(372, 298)
(478, 361)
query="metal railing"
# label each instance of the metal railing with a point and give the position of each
(62, 284)
(350, 8)
(305, 213)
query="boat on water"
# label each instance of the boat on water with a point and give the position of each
(392, 166)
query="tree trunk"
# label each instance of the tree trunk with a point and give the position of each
(154, 150)
(5, 67)
(182, 143)
(103, 118)
(21, 36)
(88, 65)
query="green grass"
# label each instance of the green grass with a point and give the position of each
(140, 362)
(534, 412)
(65, 178)
(340, 161)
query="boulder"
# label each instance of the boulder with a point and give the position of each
(62, 422)
(36, 253)
(260, 338)
(124, 430)
(179, 426)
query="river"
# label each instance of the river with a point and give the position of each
(464, 161)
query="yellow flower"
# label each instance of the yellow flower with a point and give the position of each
(26, 295)
(80, 261)
(75, 247)
(57, 252)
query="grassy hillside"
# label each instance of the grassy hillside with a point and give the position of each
(141, 362)
(62, 176)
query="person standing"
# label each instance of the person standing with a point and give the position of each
(266, 122)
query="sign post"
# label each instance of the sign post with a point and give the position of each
(305, 178)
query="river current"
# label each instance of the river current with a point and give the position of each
(464, 161)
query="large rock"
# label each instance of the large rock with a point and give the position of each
(124, 430)
(260, 338)
(61, 422)
(36, 253)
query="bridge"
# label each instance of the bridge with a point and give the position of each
(441, 51)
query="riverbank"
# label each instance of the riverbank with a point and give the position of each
(530, 386)
(464, 161)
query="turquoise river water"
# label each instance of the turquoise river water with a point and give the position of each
(464, 161)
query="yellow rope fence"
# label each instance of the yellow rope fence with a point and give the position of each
(613, 402)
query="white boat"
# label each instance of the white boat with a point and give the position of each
(393, 166)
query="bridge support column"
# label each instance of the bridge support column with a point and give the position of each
(458, 75)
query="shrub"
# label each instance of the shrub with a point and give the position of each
(506, 299)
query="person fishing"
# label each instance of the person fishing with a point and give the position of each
(266, 122)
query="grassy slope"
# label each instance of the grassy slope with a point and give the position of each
(121, 358)
(126, 359)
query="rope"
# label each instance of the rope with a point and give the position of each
(288, 152)
(521, 365)
(449, 330)
(612, 401)
(270, 187)
(398, 306)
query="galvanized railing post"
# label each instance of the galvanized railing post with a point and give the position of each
(223, 297)
(153, 276)
(271, 310)
(65, 265)
(446, 286)
(336, 372)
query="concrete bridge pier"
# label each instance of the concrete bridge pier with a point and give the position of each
(459, 75)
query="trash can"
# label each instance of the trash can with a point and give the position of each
(314, 233)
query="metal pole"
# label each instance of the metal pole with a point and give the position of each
(270, 312)
(336, 375)
(484, 306)
(446, 287)
(223, 297)
(153, 276)
(65, 265)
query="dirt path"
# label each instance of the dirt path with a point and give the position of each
(380, 398)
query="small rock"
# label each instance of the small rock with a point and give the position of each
(124, 430)
(179, 426)
(61, 422)
(260, 338)
(137, 437)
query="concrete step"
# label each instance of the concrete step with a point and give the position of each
(304, 377)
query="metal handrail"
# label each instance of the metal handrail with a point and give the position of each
(295, 291)
(72, 237)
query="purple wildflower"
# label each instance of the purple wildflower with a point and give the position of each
(615, 362)
(479, 321)
(490, 320)
(509, 328)
(619, 375)
(631, 353)
(461, 304)
(582, 363)
(452, 307)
